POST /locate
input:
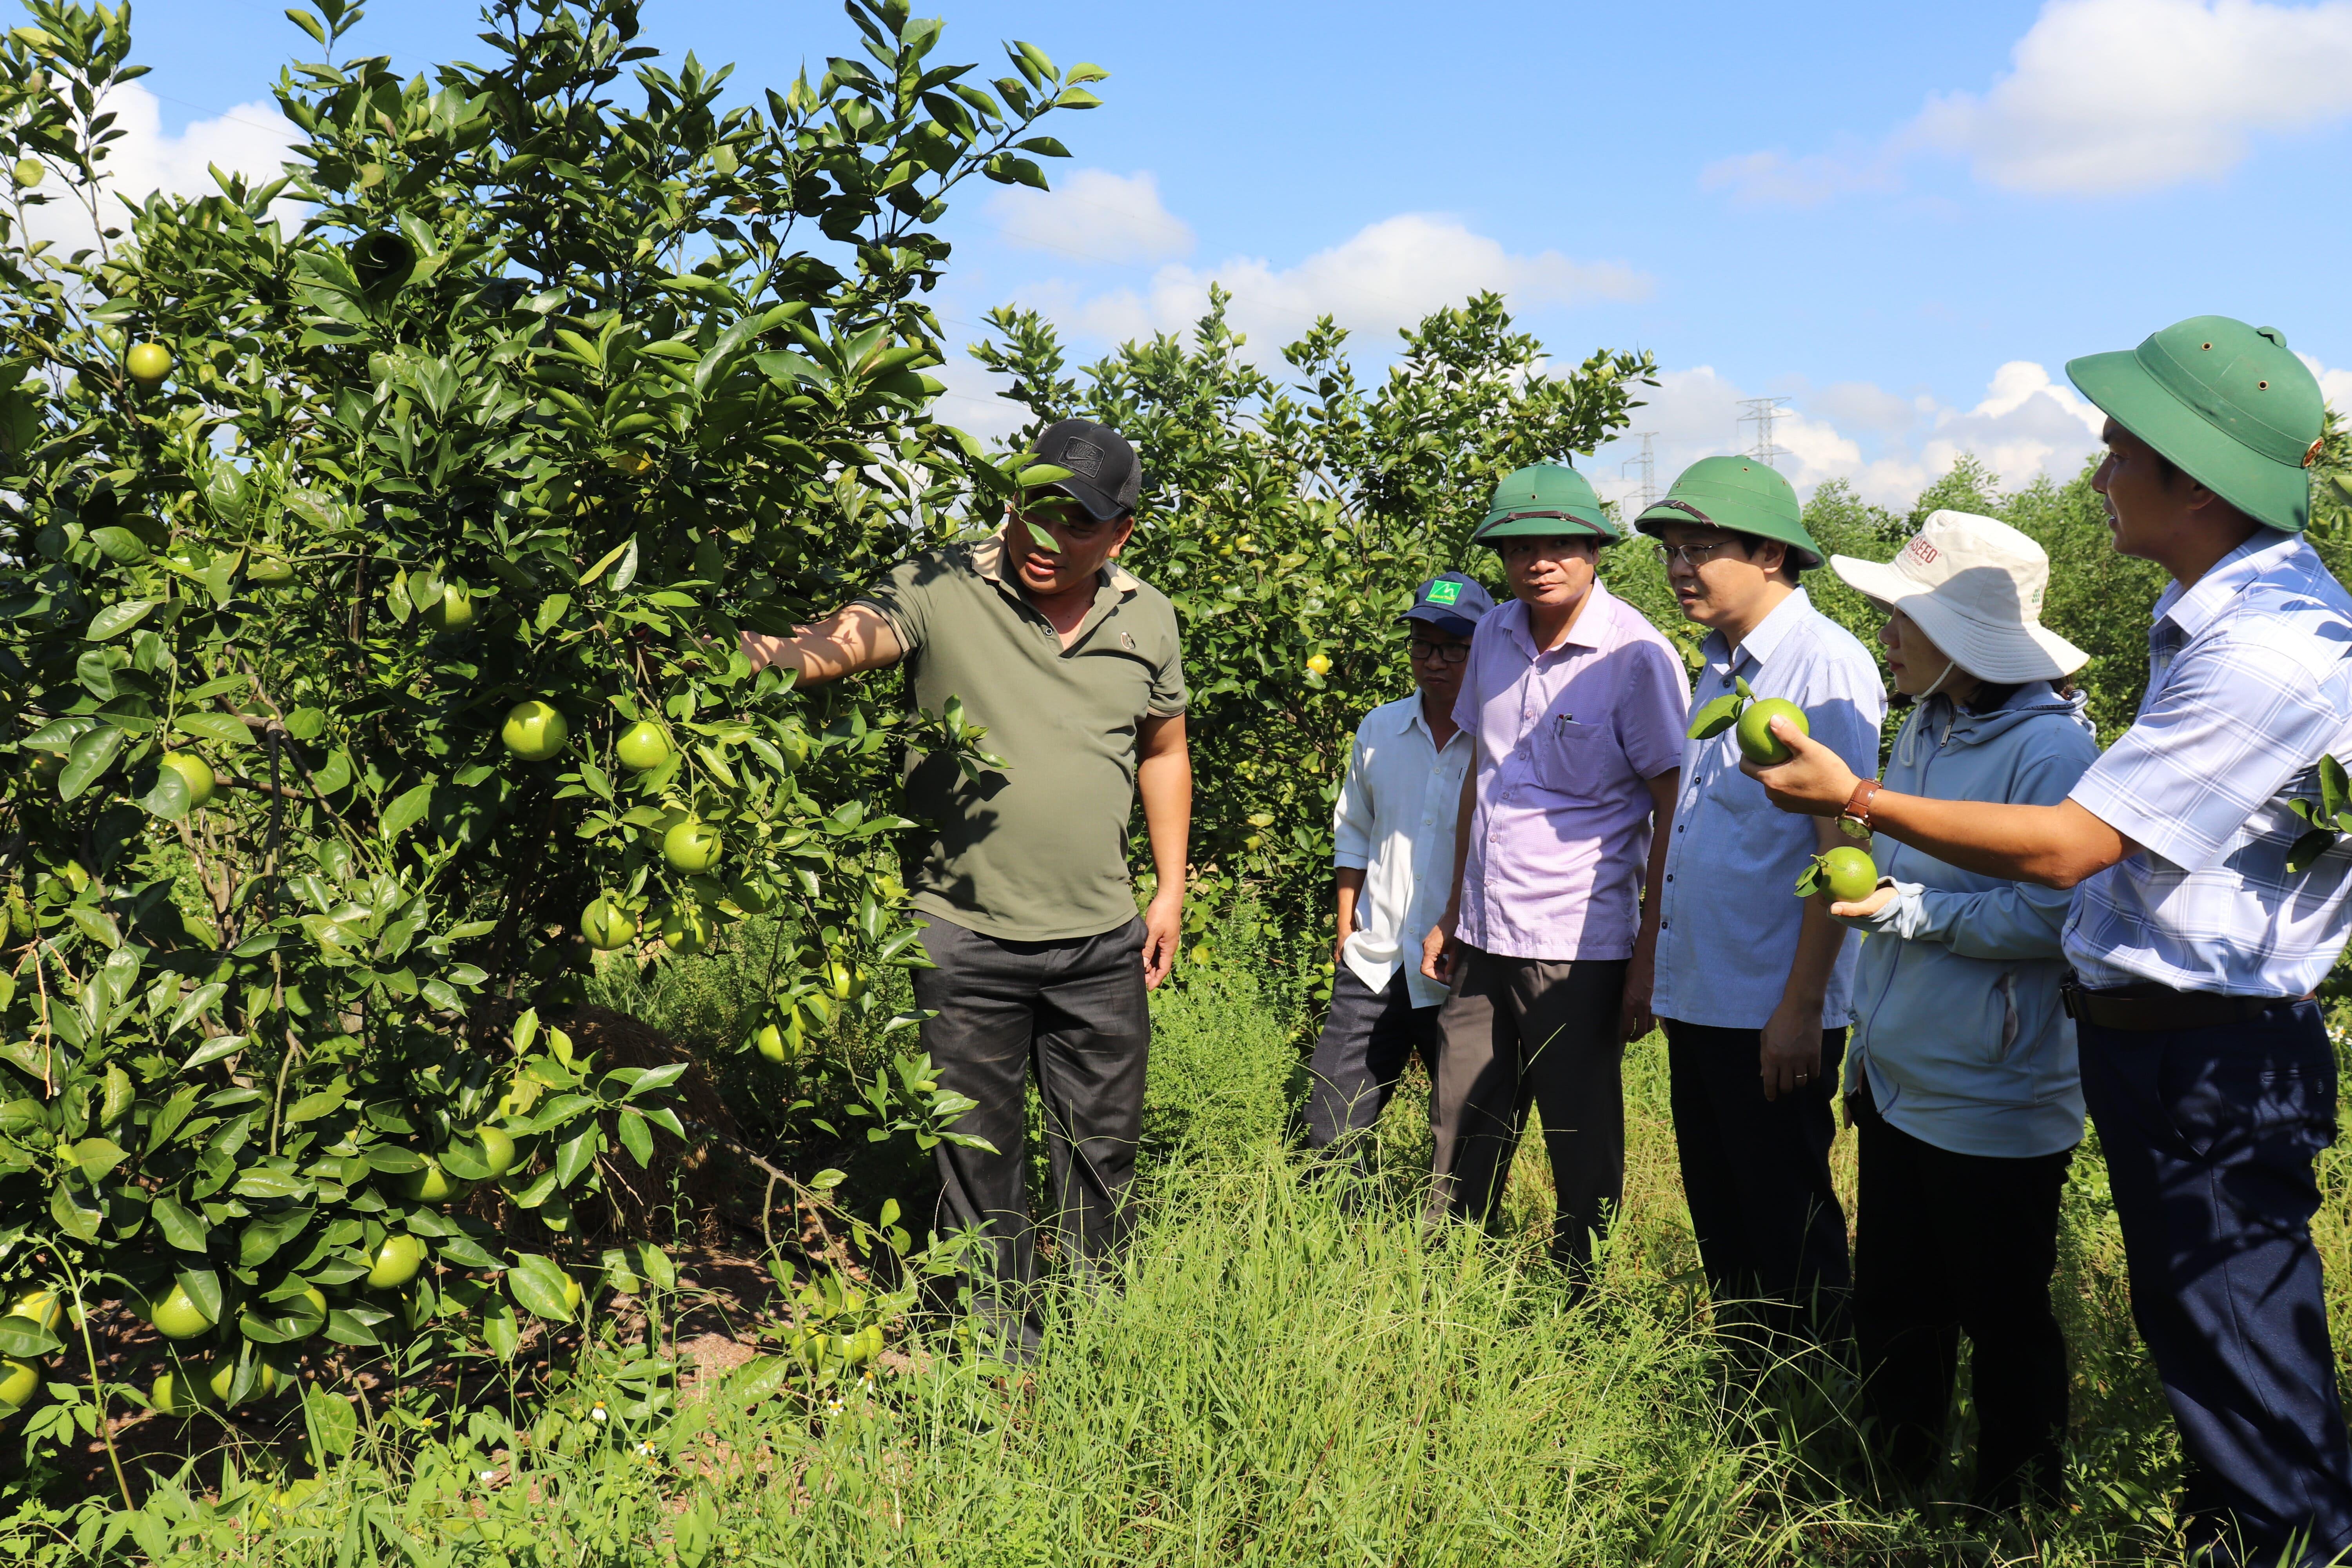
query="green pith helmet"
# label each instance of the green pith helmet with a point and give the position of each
(1541, 501)
(1746, 495)
(2226, 403)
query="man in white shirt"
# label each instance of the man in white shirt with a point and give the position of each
(1394, 828)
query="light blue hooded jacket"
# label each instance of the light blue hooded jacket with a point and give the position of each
(1958, 1033)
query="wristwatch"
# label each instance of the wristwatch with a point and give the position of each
(1855, 818)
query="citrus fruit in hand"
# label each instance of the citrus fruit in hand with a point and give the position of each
(534, 730)
(606, 925)
(1849, 874)
(685, 929)
(148, 364)
(1757, 742)
(453, 611)
(177, 1316)
(397, 1262)
(691, 848)
(195, 770)
(643, 745)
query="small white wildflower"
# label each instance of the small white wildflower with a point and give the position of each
(489, 1475)
(597, 1412)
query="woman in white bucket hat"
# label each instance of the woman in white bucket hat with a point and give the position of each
(1962, 1078)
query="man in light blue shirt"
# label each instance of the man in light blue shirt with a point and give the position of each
(1755, 985)
(2206, 908)
(1392, 832)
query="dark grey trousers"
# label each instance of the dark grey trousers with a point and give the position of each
(1518, 1031)
(1368, 1038)
(1076, 1009)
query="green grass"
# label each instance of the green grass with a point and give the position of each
(1277, 1384)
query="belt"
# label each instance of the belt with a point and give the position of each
(2159, 1007)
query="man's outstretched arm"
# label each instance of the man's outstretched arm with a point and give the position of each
(2055, 845)
(852, 639)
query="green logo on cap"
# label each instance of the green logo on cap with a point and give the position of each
(1445, 592)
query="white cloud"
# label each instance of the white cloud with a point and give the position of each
(251, 138)
(2335, 385)
(1888, 446)
(1387, 275)
(1095, 216)
(2103, 97)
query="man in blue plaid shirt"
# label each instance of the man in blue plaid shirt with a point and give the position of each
(2206, 1063)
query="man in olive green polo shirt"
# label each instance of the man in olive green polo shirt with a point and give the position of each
(1072, 665)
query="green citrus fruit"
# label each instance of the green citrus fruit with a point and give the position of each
(148, 363)
(224, 1378)
(197, 771)
(685, 929)
(691, 848)
(397, 1262)
(498, 1149)
(177, 1316)
(606, 925)
(20, 1380)
(433, 1185)
(44, 1306)
(771, 1043)
(1757, 742)
(269, 571)
(573, 1295)
(28, 173)
(175, 1393)
(1850, 874)
(534, 730)
(453, 611)
(643, 745)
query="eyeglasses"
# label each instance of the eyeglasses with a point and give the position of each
(1691, 555)
(1439, 652)
(1059, 511)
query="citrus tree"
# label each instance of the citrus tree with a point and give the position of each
(369, 578)
(1290, 520)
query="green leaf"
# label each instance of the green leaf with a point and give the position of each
(181, 1229)
(537, 1286)
(117, 618)
(2335, 789)
(333, 1423)
(225, 728)
(93, 753)
(403, 813)
(636, 1136)
(2306, 851)
(27, 1339)
(97, 1157)
(1741, 686)
(1714, 717)
(608, 558)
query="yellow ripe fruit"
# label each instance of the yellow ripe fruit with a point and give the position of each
(573, 1295)
(19, 1382)
(606, 925)
(643, 745)
(534, 730)
(498, 1149)
(397, 1262)
(1320, 663)
(453, 611)
(197, 771)
(43, 1305)
(148, 364)
(177, 1316)
(632, 465)
(691, 848)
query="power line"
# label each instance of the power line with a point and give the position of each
(1648, 463)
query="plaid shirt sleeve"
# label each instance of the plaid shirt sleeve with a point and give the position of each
(2240, 714)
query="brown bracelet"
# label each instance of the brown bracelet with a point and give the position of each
(1855, 818)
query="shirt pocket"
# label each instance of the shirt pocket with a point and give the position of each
(1569, 758)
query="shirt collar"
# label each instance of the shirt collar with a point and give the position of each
(1590, 630)
(1414, 719)
(1767, 637)
(2194, 608)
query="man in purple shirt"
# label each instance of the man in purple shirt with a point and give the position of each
(1576, 705)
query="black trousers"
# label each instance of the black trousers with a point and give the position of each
(1948, 1244)
(1772, 1233)
(1522, 1031)
(1368, 1036)
(2210, 1136)
(1075, 1010)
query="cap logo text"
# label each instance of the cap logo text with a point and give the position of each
(1446, 593)
(1083, 458)
(1922, 551)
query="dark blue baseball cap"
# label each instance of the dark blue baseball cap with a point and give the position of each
(1450, 602)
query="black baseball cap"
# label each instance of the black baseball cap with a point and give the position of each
(1450, 602)
(1106, 476)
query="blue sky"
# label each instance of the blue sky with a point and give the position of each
(1904, 218)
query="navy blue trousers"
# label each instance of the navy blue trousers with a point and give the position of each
(2210, 1136)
